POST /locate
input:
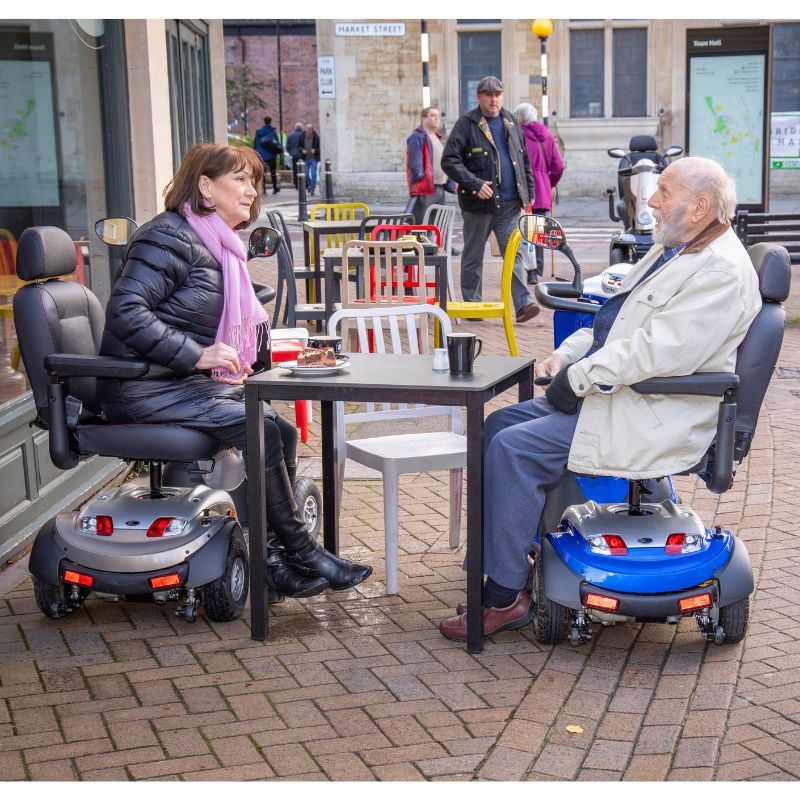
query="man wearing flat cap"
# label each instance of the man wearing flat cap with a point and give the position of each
(487, 157)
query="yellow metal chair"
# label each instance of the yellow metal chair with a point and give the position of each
(505, 308)
(331, 212)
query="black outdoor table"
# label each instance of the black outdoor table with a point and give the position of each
(332, 257)
(378, 378)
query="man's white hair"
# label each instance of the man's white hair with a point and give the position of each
(525, 113)
(705, 176)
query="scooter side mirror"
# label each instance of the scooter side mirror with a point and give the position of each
(263, 242)
(673, 150)
(547, 232)
(541, 231)
(115, 230)
(616, 152)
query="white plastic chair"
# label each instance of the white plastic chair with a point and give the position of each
(443, 217)
(392, 455)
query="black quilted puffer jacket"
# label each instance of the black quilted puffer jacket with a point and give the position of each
(166, 305)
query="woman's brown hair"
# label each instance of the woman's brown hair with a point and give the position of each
(212, 160)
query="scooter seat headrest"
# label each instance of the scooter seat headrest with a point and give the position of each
(642, 144)
(774, 270)
(45, 252)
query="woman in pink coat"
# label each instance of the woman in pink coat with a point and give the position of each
(547, 168)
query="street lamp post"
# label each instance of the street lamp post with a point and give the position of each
(543, 28)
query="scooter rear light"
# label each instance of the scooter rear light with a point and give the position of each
(695, 602)
(678, 543)
(165, 581)
(601, 602)
(70, 576)
(608, 544)
(166, 526)
(100, 526)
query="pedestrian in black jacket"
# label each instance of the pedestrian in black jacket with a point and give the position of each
(180, 304)
(487, 157)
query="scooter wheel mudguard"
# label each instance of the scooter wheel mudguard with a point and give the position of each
(208, 563)
(46, 555)
(736, 576)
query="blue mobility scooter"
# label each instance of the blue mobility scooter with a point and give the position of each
(615, 550)
(179, 539)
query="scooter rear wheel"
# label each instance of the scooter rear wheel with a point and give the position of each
(552, 622)
(733, 619)
(52, 600)
(224, 599)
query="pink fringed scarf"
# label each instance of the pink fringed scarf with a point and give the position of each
(243, 317)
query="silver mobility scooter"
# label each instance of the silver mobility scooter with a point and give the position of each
(614, 550)
(175, 542)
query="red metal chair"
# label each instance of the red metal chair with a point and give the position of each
(287, 350)
(391, 233)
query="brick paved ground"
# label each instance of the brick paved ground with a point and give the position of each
(360, 686)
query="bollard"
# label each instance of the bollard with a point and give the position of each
(302, 207)
(328, 181)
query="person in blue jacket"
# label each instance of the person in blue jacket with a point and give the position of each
(267, 145)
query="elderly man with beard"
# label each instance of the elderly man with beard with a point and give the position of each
(683, 308)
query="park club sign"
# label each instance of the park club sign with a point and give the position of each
(369, 28)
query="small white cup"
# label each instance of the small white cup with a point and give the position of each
(440, 361)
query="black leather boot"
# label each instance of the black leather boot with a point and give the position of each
(302, 552)
(283, 578)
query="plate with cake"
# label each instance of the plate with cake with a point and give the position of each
(317, 361)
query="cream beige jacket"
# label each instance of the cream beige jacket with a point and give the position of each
(689, 316)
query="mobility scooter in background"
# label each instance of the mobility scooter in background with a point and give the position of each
(616, 550)
(637, 177)
(174, 540)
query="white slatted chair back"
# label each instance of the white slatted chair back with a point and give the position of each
(408, 329)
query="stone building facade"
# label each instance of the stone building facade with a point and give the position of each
(378, 91)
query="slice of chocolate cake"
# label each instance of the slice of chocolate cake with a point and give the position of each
(316, 357)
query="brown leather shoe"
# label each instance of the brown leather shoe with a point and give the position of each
(519, 613)
(528, 312)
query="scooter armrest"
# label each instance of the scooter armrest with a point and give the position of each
(67, 365)
(564, 297)
(710, 384)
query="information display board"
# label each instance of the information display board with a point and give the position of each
(28, 151)
(728, 105)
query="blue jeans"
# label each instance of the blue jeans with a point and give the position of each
(312, 165)
(526, 447)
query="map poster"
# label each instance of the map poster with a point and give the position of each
(28, 153)
(727, 99)
(727, 117)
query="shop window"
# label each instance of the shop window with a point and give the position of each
(54, 121)
(786, 67)
(189, 86)
(478, 56)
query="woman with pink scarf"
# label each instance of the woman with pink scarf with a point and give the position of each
(184, 302)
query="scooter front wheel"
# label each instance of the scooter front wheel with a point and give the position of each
(309, 501)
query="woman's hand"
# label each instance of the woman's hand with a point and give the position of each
(236, 381)
(550, 367)
(219, 355)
